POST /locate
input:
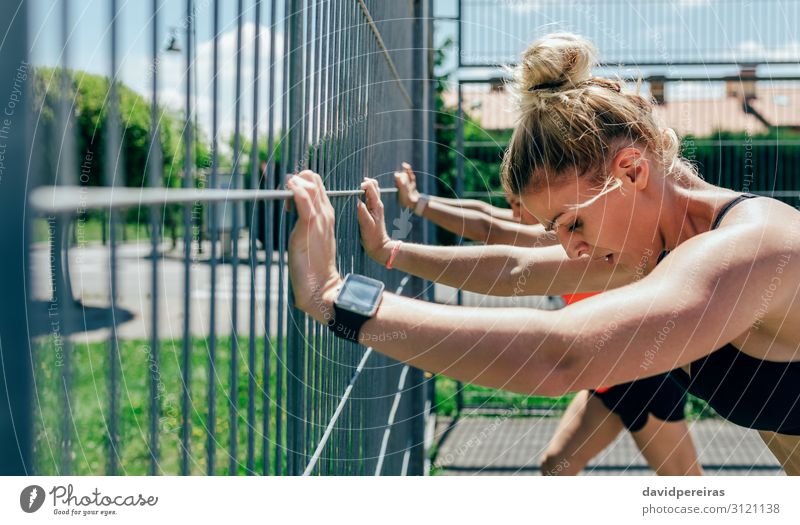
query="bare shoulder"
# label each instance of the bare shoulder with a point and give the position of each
(757, 241)
(763, 211)
(766, 228)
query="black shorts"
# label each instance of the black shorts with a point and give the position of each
(633, 402)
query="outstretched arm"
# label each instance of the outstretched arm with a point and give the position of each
(503, 214)
(703, 304)
(496, 270)
(482, 227)
(408, 194)
(471, 219)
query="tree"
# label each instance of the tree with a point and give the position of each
(87, 97)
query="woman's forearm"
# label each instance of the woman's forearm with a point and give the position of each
(505, 270)
(493, 270)
(468, 223)
(506, 348)
(476, 205)
(523, 235)
(481, 227)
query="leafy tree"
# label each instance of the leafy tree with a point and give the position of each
(87, 98)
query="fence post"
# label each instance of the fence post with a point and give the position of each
(16, 419)
(459, 194)
(420, 99)
(295, 344)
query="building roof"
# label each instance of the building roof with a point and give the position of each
(701, 117)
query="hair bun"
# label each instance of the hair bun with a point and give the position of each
(555, 62)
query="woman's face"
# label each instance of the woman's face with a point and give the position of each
(617, 226)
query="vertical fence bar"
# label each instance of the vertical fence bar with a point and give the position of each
(252, 233)
(336, 344)
(415, 391)
(188, 182)
(343, 359)
(354, 425)
(305, 358)
(314, 398)
(211, 423)
(113, 165)
(16, 407)
(330, 108)
(294, 347)
(460, 194)
(281, 410)
(428, 185)
(63, 295)
(155, 176)
(268, 241)
(233, 445)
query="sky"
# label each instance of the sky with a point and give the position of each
(632, 30)
(89, 50)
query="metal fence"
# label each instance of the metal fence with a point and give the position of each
(732, 94)
(156, 357)
(725, 75)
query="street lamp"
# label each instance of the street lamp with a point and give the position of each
(173, 46)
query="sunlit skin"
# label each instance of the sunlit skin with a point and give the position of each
(473, 219)
(710, 285)
(627, 223)
(587, 426)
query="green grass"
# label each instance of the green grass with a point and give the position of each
(90, 401)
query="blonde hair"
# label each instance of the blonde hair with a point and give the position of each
(569, 120)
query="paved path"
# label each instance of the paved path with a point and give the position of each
(89, 267)
(479, 445)
(90, 284)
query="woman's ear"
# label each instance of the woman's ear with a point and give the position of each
(630, 165)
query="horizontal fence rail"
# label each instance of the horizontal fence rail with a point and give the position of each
(69, 200)
(161, 335)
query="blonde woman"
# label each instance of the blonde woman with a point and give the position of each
(699, 279)
(651, 409)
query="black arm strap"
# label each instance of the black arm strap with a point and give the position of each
(347, 324)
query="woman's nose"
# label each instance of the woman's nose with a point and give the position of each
(573, 244)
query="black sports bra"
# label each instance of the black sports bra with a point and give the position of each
(754, 393)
